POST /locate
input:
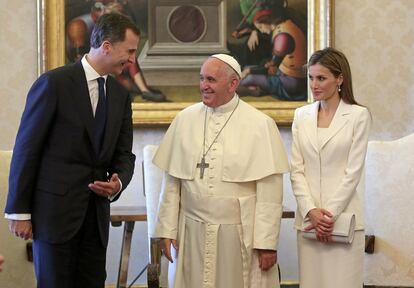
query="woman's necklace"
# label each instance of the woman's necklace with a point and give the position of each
(203, 165)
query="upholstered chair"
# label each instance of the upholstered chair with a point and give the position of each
(389, 202)
(152, 185)
(18, 272)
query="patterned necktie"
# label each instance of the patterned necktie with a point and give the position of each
(100, 115)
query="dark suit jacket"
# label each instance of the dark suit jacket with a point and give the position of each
(54, 160)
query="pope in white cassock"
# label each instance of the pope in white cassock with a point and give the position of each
(221, 198)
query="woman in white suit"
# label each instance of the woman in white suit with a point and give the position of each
(330, 140)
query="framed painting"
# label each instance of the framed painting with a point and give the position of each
(178, 35)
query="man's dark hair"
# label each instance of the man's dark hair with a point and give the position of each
(111, 27)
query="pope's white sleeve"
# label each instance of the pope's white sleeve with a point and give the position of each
(168, 210)
(268, 213)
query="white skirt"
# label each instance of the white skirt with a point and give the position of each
(327, 265)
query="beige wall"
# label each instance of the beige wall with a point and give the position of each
(378, 38)
(376, 35)
(18, 60)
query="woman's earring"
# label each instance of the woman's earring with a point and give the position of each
(339, 88)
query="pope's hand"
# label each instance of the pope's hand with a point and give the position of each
(166, 247)
(267, 258)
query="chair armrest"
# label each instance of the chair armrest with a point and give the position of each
(369, 244)
(154, 268)
(29, 250)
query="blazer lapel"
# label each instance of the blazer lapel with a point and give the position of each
(338, 122)
(82, 98)
(113, 110)
(310, 123)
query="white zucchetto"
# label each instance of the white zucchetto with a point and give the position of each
(229, 60)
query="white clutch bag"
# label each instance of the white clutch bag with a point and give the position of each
(344, 229)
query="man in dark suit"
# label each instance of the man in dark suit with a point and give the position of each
(72, 157)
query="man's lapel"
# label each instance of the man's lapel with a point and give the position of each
(82, 98)
(114, 109)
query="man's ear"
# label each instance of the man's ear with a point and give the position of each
(106, 46)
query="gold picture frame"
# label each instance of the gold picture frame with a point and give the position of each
(51, 54)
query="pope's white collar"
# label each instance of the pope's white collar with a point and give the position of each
(225, 108)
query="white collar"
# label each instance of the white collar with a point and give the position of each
(90, 72)
(228, 107)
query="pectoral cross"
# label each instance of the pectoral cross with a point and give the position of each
(202, 165)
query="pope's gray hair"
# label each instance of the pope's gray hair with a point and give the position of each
(230, 72)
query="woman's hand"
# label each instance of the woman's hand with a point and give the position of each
(322, 222)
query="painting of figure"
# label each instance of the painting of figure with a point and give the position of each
(267, 37)
(80, 18)
(275, 51)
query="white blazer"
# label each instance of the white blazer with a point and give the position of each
(327, 175)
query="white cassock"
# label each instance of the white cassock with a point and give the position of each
(235, 208)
